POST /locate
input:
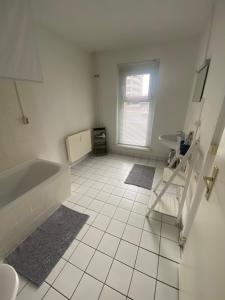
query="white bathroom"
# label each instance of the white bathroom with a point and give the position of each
(111, 149)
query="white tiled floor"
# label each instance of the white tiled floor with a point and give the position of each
(118, 254)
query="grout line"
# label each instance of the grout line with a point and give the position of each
(152, 233)
(114, 255)
(131, 211)
(157, 273)
(92, 258)
(52, 287)
(126, 189)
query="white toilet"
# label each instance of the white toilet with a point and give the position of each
(9, 282)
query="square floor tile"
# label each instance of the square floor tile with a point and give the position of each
(126, 204)
(132, 234)
(102, 196)
(82, 232)
(114, 200)
(108, 210)
(70, 249)
(30, 291)
(68, 280)
(142, 198)
(85, 201)
(170, 249)
(98, 185)
(116, 228)
(96, 205)
(150, 241)
(144, 191)
(110, 294)
(101, 222)
(118, 192)
(127, 253)
(78, 208)
(93, 237)
(130, 195)
(82, 189)
(121, 214)
(136, 220)
(168, 272)
(142, 287)
(130, 187)
(68, 204)
(88, 288)
(80, 180)
(55, 271)
(147, 262)
(75, 197)
(140, 208)
(164, 291)
(109, 244)
(89, 183)
(152, 226)
(53, 295)
(115, 181)
(119, 277)
(170, 232)
(108, 188)
(81, 256)
(91, 192)
(101, 179)
(99, 266)
(92, 215)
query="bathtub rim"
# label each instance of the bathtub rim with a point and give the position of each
(62, 168)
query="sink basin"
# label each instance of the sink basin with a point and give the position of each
(9, 282)
(170, 140)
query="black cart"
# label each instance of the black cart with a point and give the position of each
(99, 141)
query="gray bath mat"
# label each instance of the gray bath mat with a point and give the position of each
(141, 175)
(39, 253)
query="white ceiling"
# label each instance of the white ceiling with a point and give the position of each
(98, 25)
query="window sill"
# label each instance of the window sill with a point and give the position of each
(146, 149)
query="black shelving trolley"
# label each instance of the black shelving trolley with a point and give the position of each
(99, 141)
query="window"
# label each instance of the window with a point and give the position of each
(135, 112)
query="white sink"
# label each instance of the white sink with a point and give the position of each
(170, 140)
(9, 282)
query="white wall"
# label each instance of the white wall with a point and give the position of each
(63, 104)
(177, 66)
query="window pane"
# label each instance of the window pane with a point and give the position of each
(137, 86)
(134, 124)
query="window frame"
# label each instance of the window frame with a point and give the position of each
(124, 70)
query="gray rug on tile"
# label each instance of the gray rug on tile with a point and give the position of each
(142, 176)
(38, 254)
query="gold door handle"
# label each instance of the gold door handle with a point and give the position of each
(210, 181)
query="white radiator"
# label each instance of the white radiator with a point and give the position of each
(78, 145)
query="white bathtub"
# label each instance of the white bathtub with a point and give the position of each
(29, 194)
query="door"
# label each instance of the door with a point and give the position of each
(202, 270)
